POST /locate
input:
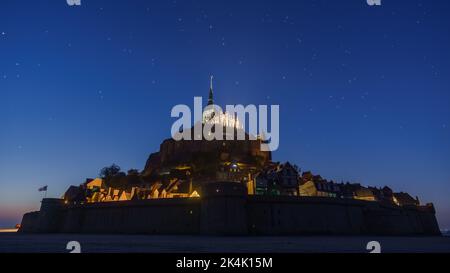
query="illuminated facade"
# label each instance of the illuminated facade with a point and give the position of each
(181, 169)
(216, 116)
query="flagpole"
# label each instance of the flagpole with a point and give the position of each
(45, 190)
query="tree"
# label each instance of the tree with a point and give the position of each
(108, 172)
(133, 178)
(133, 172)
(118, 181)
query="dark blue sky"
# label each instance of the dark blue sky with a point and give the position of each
(364, 91)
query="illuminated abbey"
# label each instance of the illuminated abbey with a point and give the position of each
(223, 118)
(180, 169)
(227, 187)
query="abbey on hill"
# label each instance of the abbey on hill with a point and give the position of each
(227, 187)
(180, 168)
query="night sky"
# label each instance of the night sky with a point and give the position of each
(364, 92)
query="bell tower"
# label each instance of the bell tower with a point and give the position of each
(211, 94)
(208, 113)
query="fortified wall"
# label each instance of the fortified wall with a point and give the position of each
(226, 209)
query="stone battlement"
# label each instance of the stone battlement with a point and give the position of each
(226, 209)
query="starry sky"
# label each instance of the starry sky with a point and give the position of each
(364, 91)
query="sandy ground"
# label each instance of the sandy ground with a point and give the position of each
(57, 243)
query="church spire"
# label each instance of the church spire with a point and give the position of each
(210, 99)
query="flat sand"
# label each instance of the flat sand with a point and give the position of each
(56, 243)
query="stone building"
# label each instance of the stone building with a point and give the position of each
(278, 179)
(215, 160)
(404, 199)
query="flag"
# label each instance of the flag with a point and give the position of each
(43, 188)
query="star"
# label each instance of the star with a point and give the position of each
(127, 51)
(3, 33)
(100, 93)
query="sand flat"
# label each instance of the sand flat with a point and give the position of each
(56, 243)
